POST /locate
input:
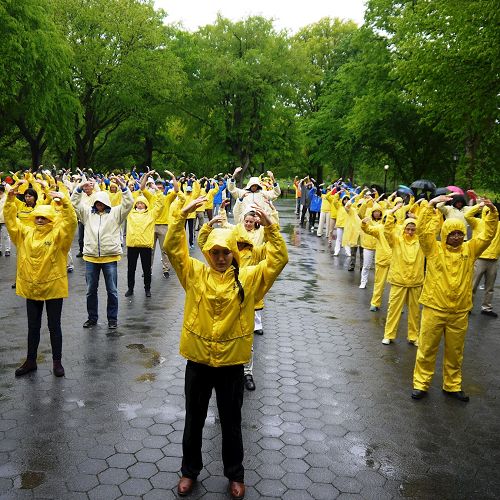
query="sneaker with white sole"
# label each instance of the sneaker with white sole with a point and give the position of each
(374, 308)
(363, 285)
(386, 341)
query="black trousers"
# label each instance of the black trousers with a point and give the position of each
(305, 209)
(190, 223)
(312, 218)
(133, 254)
(81, 234)
(34, 308)
(228, 384)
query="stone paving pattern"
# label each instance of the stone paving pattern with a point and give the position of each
(331, 417)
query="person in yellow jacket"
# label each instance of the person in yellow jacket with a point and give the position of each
(487, 263)
(339, 201)
(140, 237)
(447, 296)
(368, 240)
(217, 335)
(166, 192)
(406, 276)
(41, 271)
(373, 226)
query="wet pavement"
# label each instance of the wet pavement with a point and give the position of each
(331, 417)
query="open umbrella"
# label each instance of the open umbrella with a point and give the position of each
(440, 191)
(423, 184)
(404, 189)
(455, 189)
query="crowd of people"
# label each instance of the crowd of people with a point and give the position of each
(433, 251)
(130, 213)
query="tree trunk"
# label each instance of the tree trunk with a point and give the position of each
(471, 148)
(148, 153)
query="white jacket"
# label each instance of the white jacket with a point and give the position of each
(102, 231)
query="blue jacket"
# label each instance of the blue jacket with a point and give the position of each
(218, 195)
(315, 201)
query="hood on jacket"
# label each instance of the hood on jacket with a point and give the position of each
(254, 181)
(450, 225)
(374, 208)
(103, 197)
(398, 199)
(143, 199)
(224, 238)
(405, 223)
(241, 235)
(46, 211)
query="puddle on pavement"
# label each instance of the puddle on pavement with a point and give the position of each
(365, 452)
(154, 358)
(31, 479)
(130, 410)
(146, 377)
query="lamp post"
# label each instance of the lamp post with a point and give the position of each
(386, 168)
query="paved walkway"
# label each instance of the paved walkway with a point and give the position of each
(331, 417)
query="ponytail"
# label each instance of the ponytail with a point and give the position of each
(241, 292)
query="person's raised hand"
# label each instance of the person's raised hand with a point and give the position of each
(194, 204)
(264, 219)
(237, 170)
(218, 219)
(442, 198)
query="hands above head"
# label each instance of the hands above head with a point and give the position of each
(443, 198)
(237, 170)
(264, 219)
(218, 219)
(194, 204)
(55, 195)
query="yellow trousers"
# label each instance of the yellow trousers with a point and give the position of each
(398, 296)
(434, 324)
(379, 284)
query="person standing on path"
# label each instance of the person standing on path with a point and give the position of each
(102, 247)
(41, 271)
(217, 335)
(447, 296)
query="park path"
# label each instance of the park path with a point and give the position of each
(331, 416)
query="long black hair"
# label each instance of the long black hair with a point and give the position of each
(241, 292)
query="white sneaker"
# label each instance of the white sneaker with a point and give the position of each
(386, 341)
(414, 342)
(363, 285)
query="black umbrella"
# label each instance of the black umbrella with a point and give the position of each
(440, 191)
(423, 184)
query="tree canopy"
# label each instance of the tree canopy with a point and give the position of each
(108, 84)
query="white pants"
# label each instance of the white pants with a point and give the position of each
(324, 220)
(4, 238)
(248, 367)
(258, 320)
(367, 264)
(338, 241)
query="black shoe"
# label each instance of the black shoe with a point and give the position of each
(166, 274)
(148, 293)
(112, 324)
(129, 293)
(249, 383)
(492, 314)
(259, 332)
(26, 367)
(79, 254)
(13, 285)
(460, 395)
(351, 268)
(57, 368)
(89, 323)
(418, 394)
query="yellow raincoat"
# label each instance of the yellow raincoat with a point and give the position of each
(217, 329)
(141, 224)
(42, 250)
(447, 297)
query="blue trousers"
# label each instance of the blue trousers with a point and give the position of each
(109, 271)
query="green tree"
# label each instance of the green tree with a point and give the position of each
(120, 67)
(447, 57)
(34, 75)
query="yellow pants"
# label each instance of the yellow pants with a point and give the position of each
(398, 296)
(379, 284)
(434, 324)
